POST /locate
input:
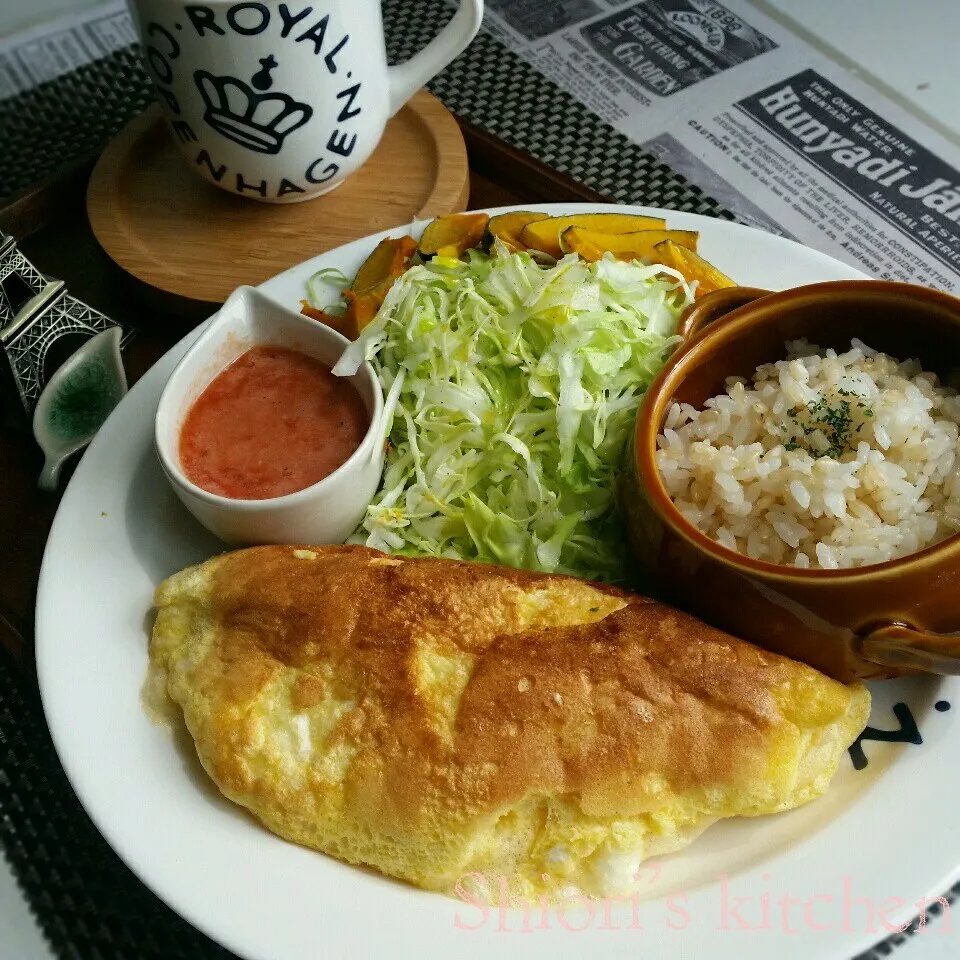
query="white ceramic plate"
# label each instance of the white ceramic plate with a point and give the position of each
(880, 840)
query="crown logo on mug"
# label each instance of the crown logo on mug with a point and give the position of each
(258, 121)
(319, 92)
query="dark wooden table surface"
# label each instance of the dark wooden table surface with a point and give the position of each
(51, 224)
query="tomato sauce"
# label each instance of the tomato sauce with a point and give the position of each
(274, 422)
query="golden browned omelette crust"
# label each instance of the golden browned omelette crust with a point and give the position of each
(434, 719)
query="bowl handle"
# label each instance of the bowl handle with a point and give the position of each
(714, 306)
(897, 645)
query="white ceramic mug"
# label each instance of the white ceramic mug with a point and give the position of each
(281, 102)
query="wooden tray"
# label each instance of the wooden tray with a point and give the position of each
(175, 232)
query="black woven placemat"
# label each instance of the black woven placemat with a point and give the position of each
(86, 901)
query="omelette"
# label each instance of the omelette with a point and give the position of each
(440, 720)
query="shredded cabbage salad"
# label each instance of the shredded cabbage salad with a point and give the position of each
(511, 390)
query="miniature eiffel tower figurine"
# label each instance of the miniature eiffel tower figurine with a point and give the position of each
(36, 312)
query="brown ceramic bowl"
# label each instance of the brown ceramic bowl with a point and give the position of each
(859, 623)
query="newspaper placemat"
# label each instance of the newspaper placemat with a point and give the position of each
(788, 140)
(66, 90)
(51, 50)
(716, 107)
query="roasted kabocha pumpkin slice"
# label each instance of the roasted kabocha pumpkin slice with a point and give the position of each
(592, 245)
(507, 227)
(453, 235)
(363, 307)
(342, 323)
(692, 266)
(545, 234)
(389, 260)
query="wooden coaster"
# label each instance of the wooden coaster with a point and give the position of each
(171, 229)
